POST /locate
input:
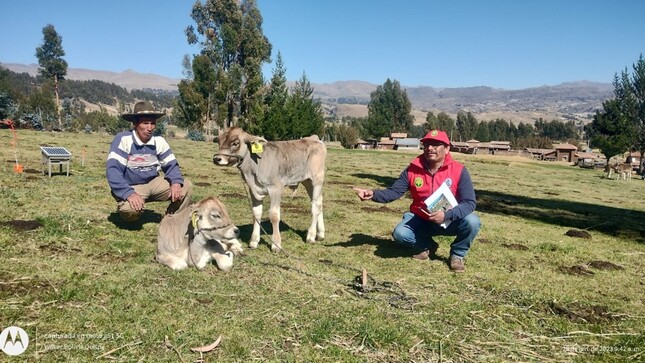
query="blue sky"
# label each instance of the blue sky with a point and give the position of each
(508, 44)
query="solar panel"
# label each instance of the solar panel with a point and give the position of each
(55, 151)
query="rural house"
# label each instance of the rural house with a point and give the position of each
(565, 152)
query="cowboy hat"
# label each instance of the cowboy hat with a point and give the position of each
(142, 108)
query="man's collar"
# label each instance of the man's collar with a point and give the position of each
(139, 142)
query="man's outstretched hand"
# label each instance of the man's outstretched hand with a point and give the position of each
(364, 194)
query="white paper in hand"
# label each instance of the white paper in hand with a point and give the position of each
(441, 199)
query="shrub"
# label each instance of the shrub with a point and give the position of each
(196, 135)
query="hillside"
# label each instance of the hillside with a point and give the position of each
(566, 101)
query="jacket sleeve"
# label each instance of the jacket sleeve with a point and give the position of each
(168, 162)
(466, 200)
(395, 191)
(115, 169)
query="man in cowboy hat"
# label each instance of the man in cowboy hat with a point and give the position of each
(425, 174)
(133, 165)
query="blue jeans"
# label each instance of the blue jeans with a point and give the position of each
(417, 233)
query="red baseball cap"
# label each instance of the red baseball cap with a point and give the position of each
(436, 135)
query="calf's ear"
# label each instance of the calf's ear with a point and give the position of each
(261, 140)
(252, 139)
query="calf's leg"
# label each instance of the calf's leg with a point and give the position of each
(316, 231)
(274, 217)
(256, 206)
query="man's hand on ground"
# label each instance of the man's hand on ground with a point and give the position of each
(136, 202)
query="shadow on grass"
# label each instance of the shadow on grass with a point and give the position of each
(385, 247)
(266, 230)
(623, 223)
(147, 216)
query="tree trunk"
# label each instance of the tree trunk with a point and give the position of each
(229, 116)
(60, 121)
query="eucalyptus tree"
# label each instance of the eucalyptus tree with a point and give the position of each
(388, 110)
(431, 121)
(447, 124)
(229, 33)
(52, 65)
(466, 125)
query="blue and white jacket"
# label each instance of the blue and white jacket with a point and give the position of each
(131, 162)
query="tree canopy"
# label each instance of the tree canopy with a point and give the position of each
(50, 59)
(230, 35)
(388, 110)
(620, 126)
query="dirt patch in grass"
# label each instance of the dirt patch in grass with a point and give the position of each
(203, 184)
(578, 234)
(582, 314)
(111, 257)
(380, 209)
(515, 246)
(605, 265)
(577, 270)
(483, 240)
(22, 225)
(23, 286)
(31, 177)
(33, 171)
(56, 248)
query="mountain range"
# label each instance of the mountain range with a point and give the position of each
(567, 101)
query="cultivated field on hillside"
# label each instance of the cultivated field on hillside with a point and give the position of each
(556, 274)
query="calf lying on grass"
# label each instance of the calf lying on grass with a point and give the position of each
(198, 235)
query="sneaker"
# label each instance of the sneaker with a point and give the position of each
(457, 264)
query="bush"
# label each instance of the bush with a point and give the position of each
(196, 135)
(161, 128)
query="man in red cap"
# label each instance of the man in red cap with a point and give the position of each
(425, 174)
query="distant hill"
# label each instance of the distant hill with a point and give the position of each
(127, 79)
(566, 101)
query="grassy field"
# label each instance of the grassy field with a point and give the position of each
(555, 275)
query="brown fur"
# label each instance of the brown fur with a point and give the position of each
(182, 243)
(280, 164)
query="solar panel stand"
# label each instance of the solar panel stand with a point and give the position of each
(55, 156)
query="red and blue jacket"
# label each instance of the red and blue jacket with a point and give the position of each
(417, 179)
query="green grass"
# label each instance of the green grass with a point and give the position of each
(81, 286)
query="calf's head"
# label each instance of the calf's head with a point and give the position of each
(234, 145)
(210, 218)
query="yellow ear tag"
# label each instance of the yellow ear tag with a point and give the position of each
(193, 219)
(256, 148)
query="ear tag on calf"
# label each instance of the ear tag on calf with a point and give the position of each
(256, 148)
(193, 219)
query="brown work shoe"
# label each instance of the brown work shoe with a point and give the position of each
(427, 253)
(423, 255)
(457, 264)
